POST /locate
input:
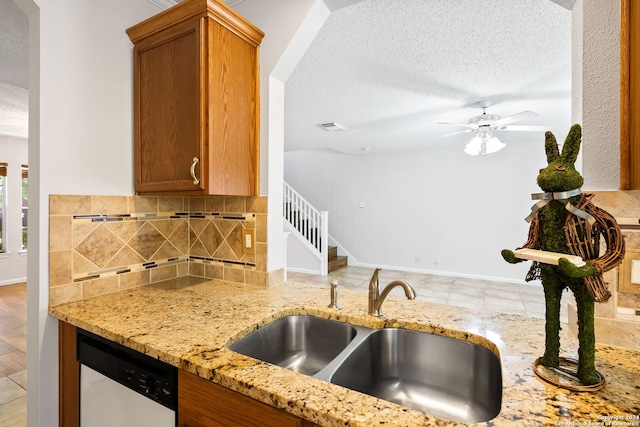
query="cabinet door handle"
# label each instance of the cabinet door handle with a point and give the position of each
(196, 181)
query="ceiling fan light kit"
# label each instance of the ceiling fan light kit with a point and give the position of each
(484, 142)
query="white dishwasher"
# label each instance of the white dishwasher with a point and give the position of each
(120, 387)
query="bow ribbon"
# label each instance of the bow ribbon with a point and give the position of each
(562, 197)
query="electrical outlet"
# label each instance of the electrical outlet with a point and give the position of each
(417, 259)
(248, 239)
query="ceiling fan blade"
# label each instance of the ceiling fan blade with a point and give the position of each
(467, 125)
(525, 128)
(514, 118)
(454, 133)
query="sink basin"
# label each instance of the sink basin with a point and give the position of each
(441, 376)
(304, 344)
(437, 375)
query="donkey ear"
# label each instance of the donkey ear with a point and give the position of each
(571, 145)
(551, 147)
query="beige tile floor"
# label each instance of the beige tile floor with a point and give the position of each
(502, 297)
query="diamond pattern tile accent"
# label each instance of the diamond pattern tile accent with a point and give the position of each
(211, 238)
(234, 239)
(125, 229)
(103, 243)
(167, 226)
(100, 246)
(125, 257)
(180, 237)
(146, 241)
(198, 225)
(81, 231)
(167, 250)
(81, 265)
(198, 249)
(225, 226)
(225, 252)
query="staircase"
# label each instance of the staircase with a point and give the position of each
(311, 226)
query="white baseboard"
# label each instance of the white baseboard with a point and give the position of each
(446, 273)
(13, 281)
(302, 270)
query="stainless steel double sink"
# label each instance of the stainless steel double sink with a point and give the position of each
(441, 376)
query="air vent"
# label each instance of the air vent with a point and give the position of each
(333, 126)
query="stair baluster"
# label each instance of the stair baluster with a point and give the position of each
(312, 225)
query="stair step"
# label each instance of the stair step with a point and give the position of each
(337, 263)
(333, 253)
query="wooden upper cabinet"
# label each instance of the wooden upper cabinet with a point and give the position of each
(629, 95)
(196, 102)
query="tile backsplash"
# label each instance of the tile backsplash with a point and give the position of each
(612, 326)
(102, 244)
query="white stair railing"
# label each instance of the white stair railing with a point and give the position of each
(312, 224)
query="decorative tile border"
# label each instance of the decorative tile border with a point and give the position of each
(92, 275)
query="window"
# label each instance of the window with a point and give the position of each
(25, 205)
(3, 208)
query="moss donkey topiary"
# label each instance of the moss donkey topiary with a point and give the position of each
(566, 222)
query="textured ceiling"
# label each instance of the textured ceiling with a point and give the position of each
(13, 44)
(391, 73)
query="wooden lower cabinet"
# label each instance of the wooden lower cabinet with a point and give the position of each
(202, 403)
(69, 374)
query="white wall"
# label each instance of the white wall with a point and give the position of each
(13, 263)
(600, 80)
(454, 211)
(300, 254)
(80, 109)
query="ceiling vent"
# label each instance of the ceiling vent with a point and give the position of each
(333, 126)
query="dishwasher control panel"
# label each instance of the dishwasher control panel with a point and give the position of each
(148, 376)
(148, 383)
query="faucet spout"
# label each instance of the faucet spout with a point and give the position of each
(376, 298)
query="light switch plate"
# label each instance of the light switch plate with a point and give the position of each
(635, 271)
(248, 241)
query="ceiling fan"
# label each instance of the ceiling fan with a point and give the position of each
(483, 125)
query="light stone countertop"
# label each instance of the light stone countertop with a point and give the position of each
(188, 322)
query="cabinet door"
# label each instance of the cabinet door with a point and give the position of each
(168, 110)
(233, 113)
(202, 403)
